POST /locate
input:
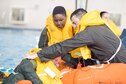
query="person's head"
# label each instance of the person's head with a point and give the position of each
(76, 16)
(57, 61)
(59, 16)
(105, 15)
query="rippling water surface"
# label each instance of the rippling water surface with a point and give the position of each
(14, 44)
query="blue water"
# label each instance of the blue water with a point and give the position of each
(14, 44)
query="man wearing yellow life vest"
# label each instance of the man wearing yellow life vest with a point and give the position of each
(93, 33)
(59, 28)
(36, 71)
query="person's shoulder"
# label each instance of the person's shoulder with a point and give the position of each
(96, 26)
(44, 31)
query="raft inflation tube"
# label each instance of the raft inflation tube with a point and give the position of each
(98, 74)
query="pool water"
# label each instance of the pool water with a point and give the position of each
(15, 43)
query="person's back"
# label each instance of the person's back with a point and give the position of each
(104, 43)
(91, 19)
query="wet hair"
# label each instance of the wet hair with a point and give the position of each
(79, 12)
(59, 10)
(103, 12)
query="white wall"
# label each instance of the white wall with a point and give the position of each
(112, 6)
(36, 11)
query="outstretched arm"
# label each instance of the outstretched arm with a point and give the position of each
(60, 49)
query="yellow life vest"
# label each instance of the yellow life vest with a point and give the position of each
(113, 28)
(46, 71)
(56, 34)
(91, 19)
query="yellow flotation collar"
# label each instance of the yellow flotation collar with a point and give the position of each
(56, 34)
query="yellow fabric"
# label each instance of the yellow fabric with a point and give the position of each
(6, 74)
(75, 53)
(90, 19)
(56, 34)
(113, 28)
(46, 79)
(41, 66)
(34, 50)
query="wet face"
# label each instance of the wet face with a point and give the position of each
(57, 61)
(59, 20)
(106, 17)
(75, 20)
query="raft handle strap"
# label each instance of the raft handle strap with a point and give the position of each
(108, 61)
